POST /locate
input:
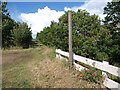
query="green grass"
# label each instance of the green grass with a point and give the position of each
(16, 75)
(115, 78)
(52, 54)
(38, 67)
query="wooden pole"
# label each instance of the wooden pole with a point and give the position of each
(70, 37)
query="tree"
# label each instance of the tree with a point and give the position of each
(7, 26)
(90, 39)
(112, 22)
(13, 33)
(22, 35)
(112, 10)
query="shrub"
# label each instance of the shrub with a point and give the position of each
(92, 75)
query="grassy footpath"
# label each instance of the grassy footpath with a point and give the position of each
(38, 68)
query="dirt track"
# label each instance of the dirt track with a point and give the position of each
(14, 56)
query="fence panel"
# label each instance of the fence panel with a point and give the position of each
(104, 66)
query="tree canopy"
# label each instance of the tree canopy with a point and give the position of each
(112, 10)
(22, 35)
(112, 22)
(14, 33)
(89, 38)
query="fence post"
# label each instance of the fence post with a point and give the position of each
(73, 54)
(57, 55)
(60, 56)
(104, 73)
(70, 37)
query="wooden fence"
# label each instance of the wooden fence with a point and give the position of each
(104, 66)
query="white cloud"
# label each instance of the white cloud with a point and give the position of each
(92, 6)
(43, 17)
(40, 19)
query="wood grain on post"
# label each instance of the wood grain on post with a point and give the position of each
(70, 37)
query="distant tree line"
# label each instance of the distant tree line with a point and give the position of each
(90, 38)
(14, 33)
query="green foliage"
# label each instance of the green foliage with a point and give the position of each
(22, 35)
(13, 33)
(3, 9)
(92, 75)
(115, 78)
(113, 11)
(112, 20)
(90, 39)
(7, 26)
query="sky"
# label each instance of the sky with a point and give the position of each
(40, 14)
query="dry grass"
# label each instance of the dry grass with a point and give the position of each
(38, 68)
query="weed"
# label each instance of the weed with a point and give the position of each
(113, 77)
(52, 54)
(24, 84)
(92, 75)
(65, 63)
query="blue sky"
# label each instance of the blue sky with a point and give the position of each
(16, 8)
(40, 14)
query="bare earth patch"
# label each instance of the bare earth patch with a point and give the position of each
(13, 56)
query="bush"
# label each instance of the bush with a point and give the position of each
(92, 75)
(88, 36)
(22, 35)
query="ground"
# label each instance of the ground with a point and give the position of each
(38, 68)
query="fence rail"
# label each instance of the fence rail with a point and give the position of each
(104, 66)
